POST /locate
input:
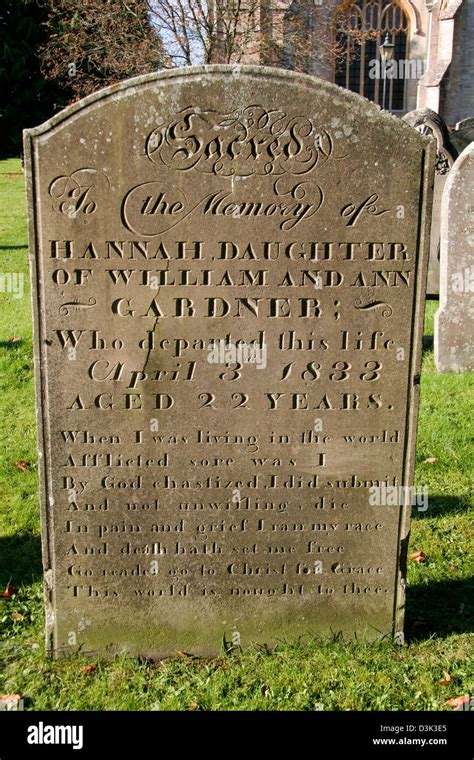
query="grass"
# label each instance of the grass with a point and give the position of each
(314, 675)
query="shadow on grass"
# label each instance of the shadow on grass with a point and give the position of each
(13, 247)
(440, 608)
(20, 560)
(11, 344)
(428, 344)
(442, 505)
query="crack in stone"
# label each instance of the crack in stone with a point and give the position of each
(147, 358)
(155, 325)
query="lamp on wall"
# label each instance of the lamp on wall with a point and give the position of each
(386, 54)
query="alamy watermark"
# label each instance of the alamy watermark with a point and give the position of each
(405, 68)
(463, 282)
(240, 352)
(12, 282)
(398, 496)
(43, 733)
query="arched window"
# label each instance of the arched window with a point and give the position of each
(361, 27)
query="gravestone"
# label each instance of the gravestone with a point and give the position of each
(228, 267)
(454, 351)
(466, 123)
(462, 136)
(429, 123)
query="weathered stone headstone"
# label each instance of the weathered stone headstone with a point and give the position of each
(429, 123)
(228, 268)
(454, 347)
(466, 123)
(462, 136)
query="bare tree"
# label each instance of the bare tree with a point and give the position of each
(288, 35)
(196, 31)
(95, 43)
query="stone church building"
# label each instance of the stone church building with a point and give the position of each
(431, 43)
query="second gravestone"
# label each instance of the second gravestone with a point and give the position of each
(228, 269)
(453, 345)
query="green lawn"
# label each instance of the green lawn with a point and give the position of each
(318, 675)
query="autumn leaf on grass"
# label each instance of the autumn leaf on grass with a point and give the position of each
(458, 701)
(14, 340)
(417, 556)
(446, 678)
(430, 460)
(17, 616)
(23, 466)
(9, 701)
(8, 592)
(88, 669)
(193, 705)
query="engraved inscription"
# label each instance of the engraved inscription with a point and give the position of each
(246, 141)
(225, 335)
(77, 193)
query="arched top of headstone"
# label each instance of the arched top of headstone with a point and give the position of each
(431, 124)
(463, 136)
(469, 122)
(318, 93)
